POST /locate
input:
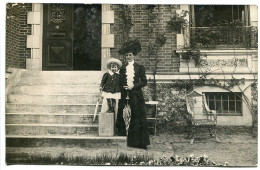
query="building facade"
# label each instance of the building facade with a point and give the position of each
(211, 43)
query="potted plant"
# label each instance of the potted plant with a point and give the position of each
(192, 54)
(177, 23)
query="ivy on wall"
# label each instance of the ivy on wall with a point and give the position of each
(126, 16)
(154, 45)
(171, 108)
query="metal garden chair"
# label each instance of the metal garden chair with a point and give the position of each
(199, 115)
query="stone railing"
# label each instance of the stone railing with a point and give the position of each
(221, 61)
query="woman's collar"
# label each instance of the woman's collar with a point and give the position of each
(131, 62)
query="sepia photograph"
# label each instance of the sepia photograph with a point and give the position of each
(118, 84)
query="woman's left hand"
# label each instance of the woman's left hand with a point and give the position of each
(128, 87)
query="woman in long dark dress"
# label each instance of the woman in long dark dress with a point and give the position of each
(133, 79)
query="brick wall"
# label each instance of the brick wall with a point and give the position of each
(17, 30)
(167, 62)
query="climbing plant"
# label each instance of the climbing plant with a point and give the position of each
(154, 22)
(126, 16)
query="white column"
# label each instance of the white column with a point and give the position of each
(34, 41)
(253, 15)
(182, 39)
(107, 38)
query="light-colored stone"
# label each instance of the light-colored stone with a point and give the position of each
(105, 57)
(107, 17)
(51, 129)
(106, 124)
(245, 119)
(108, 40)
(45, 118)
(51, 108)
(56, 89)
(49, 99)
(60, 81)
(33, 41)
(63, 74)
(33, 18)
(253, 15)
(180, 40)
(105, 29)
(32, 64)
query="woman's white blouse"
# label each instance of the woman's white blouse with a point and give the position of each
(130, 73)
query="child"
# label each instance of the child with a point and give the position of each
(110, 83)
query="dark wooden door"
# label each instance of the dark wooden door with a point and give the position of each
(57, 37)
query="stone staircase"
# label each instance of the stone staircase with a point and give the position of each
(54, 108)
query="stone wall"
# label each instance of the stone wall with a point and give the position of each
(254, 94)
(146, 32)
(172, 110)
(17, 30)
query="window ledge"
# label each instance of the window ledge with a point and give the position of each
(229, 114)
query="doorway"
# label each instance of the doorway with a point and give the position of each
(72, 37)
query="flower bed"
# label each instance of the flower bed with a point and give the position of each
(122, 160)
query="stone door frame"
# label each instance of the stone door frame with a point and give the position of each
(35, 40)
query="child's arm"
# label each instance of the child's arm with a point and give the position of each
(103, 81)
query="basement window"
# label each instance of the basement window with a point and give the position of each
(225, 104)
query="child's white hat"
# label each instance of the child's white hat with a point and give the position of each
(114, 60)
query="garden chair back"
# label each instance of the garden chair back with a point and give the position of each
(199, 114)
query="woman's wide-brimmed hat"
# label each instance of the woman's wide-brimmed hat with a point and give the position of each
(132, 46)
(114, 60)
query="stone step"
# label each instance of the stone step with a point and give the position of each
(51, 108)
(59, 81)
(62, 74)
(36, 118)
(51, 129)
(55, 89)
(63, 99)
(61, 141)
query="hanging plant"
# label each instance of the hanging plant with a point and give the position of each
(192, 54)
(151, 7)
(177, 23)
(160, 40)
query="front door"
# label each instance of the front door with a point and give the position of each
(71, 37)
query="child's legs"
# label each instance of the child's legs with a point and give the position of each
(109, 104)
(116, 108)
(113, 101)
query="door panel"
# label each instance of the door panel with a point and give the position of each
(57, 37)
(87, 37)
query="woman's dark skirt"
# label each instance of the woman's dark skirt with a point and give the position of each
(138, 135)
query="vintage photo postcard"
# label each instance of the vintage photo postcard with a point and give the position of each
(110, 84)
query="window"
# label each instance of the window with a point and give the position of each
(219, 15)
(225, 103)
(221, 26)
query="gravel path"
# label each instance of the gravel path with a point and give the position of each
(236, 148)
